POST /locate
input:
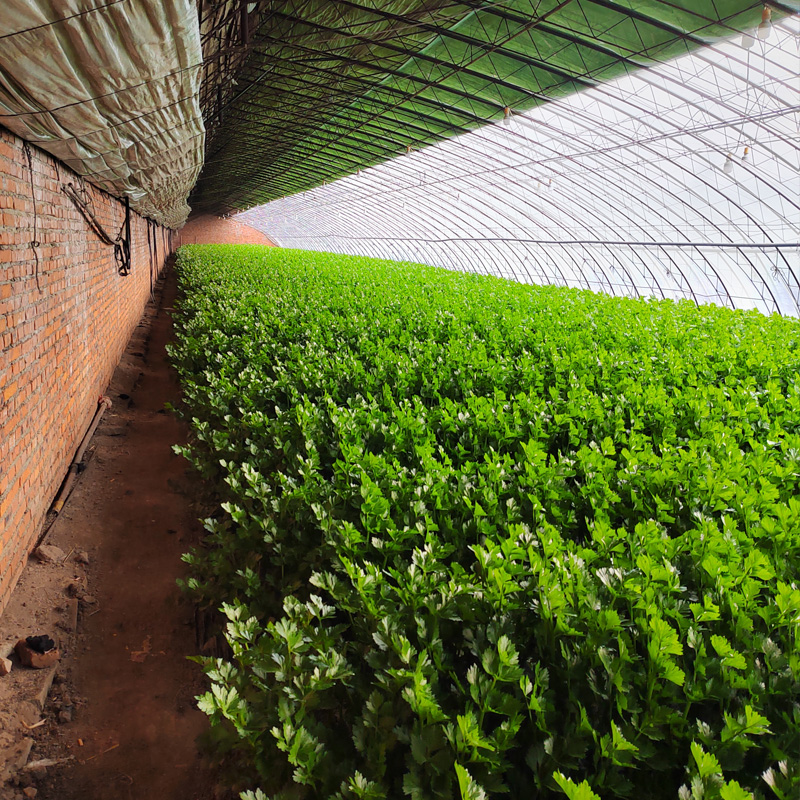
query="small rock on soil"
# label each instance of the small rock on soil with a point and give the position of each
(49, 554)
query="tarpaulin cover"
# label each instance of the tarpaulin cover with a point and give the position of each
(111, 89)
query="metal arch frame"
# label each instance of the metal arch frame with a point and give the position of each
(389, 225)
(642, 228)
(601, 151)
(471, 266)
(592, 45)
(577, 200)
(441, 209)
(645, 77)
(449, 210)
(578, 268)
(465, 266)
(587, 209)
(794, 292)
(398, 189)
(521, 26)
(371, 242)
(717, 277)
(761, 285)
(495, 11)
(518, 19)
(521, 211)
(421, 219)
(751, 274)
(390, 90)
(788, 199)
(701, 56)
(371, 85)
(403, 51)
(634, 286)
(633, 250)
(400, 51)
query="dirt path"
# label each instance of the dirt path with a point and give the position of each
(135, 726)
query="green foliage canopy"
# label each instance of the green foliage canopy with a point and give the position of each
(478, 538)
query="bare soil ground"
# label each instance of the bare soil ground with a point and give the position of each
(120, 719)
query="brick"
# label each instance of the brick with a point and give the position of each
(51, 365)
(208, 229)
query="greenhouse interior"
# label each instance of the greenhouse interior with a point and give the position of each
(399, 400)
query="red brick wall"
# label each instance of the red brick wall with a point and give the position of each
(58, 346)
(208, 229)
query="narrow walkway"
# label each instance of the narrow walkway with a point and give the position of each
(135, 723)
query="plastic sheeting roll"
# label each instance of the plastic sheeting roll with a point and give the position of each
(112, 89)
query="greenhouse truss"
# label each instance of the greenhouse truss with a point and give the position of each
(677, 181)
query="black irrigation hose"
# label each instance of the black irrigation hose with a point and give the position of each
(82, 206)
(35, 244)
(122, 244)
(151, 247)
(122, 250)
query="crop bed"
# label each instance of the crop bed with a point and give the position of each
(479, 539)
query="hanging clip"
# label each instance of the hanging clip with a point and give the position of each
(765, 28)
